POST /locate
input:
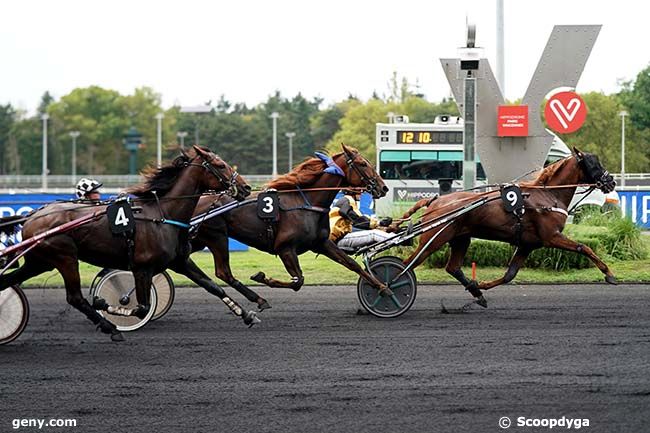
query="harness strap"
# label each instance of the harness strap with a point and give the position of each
(558, 210)
(175, 223)
(307, 205)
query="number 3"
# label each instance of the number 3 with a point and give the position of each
(511, 196)
(268, 208)
(120, 218)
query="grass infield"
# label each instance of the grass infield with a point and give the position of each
(319, 270)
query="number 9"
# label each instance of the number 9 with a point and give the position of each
(511, 196)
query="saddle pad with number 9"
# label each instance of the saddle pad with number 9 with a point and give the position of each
(512, 198)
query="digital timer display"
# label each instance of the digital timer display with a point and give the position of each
(429, 137)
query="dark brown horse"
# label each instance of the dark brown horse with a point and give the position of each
(169, 196)
(305, 195)
(546, 200)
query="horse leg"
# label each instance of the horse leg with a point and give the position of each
(329, 249)
(291, 263)
(69, 269)
(459, 248)
(188, 268)
(221, 257)
(516, 262)
(29, 269)
(142, 296)
(562, 242)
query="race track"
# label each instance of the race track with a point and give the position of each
(313, 365)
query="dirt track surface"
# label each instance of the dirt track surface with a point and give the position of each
(313, 365)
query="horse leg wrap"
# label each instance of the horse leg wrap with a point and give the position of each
(472, 288)
(233, 306)
(460, 276)
(120, 311)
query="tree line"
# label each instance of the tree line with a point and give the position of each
(242, 135)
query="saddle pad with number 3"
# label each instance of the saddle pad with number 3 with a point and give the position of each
(268, 205)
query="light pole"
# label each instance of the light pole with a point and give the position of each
(74, 135)
(198, 110)
(159, 118)
(623, 114)
(44, 117)
(290, 136)
(275, 116)
(182, 135)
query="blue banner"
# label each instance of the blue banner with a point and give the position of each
(636, 205)
(22, 204)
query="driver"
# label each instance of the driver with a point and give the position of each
(88, 189)
(345, 216)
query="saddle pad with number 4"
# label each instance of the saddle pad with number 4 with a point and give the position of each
(120, 217)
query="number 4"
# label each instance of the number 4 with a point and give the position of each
(120, 218)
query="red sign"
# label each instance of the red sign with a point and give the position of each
(565, 112)
(512, 121)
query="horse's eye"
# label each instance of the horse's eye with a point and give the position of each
(363, 164)
(219, 164)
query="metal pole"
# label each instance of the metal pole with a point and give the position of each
(275, 116)
(469, 162)
(74, 135)
(44, 117)
(159, 118)
(290, 135)
(623, 114)
(182, 135)
(501, 74)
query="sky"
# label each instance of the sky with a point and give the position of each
(194, 51)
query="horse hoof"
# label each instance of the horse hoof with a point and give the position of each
(263, 306)
(117, 336)
(259, 277)
(251, 319)
(611, 279)
(481, 301)
(99, 304)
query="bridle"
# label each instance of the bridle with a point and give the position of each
(604, 181)
(370, 182)
(229, 184)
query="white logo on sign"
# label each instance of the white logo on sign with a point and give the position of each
(401, 193)
(562, 112)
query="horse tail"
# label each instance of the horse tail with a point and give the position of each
(425, 202)
(8, 224)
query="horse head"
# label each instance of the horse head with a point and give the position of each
(359, 173)
(222, 176)
(594, 172)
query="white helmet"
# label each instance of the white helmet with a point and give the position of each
(86, 186)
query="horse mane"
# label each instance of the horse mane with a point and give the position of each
(304, 174)
(161, 179)
(547, 173)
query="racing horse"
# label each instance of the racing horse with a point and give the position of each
(168, 195)
(305, 195)
(545, 205)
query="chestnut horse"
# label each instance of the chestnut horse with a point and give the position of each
(305, 195)
(169, 194)
(546, 200)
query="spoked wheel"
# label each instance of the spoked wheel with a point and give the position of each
(117, 288)
(386, 269)
(162, 282)
(14, 313)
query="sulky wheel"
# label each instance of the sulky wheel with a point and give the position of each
(117, 288)
(162, 282)
(14, 313)
(386, 269)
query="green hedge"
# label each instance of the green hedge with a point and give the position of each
(612, 238)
